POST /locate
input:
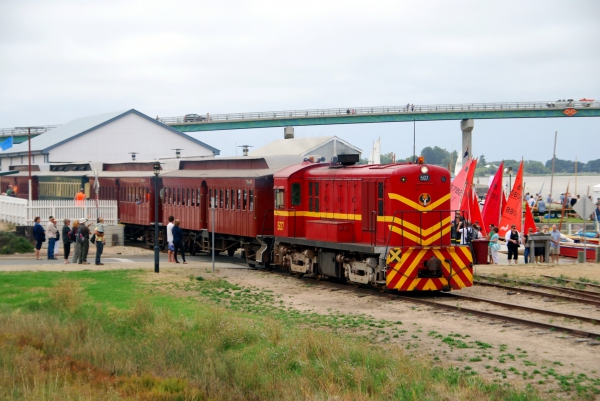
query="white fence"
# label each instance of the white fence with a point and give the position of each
(72, 210)
(13, 210)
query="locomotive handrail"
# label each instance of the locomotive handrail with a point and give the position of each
(262, 231)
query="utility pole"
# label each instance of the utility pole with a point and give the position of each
(29, 154)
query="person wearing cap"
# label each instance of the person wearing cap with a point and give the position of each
(85, 246)
(99, 232)
(51, 232)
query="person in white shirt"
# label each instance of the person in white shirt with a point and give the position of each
(465, 232)
(170, 245)
(531, 201)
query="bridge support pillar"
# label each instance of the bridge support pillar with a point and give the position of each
(466, 126)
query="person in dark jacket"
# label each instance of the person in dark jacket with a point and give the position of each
(66, 240)
(39, 236)
(178, 241)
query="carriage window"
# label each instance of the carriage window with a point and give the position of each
(232, 199)
(245, 199)
(187, 191)
(279, 199)
(198, 197)
(226, 199)
(251, 198)
(178, 197)
(221, 199)
(239, 199)
(211, 200)
(296, 194)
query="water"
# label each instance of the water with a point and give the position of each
(533, 184)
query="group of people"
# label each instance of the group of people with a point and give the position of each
(514, 240)
(78, 234)
(11, 190)
(175, 240)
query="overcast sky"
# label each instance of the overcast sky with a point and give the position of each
(61, 60)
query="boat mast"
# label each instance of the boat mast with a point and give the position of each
(575, 177)
(553, 159)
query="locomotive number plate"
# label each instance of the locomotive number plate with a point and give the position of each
(424, 177)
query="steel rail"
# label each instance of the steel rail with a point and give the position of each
(474, 312)
(573, 281)
(588, 294)
(523, 308)
(539, 293)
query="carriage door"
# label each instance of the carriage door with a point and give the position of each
(369, 211)
(203, 203)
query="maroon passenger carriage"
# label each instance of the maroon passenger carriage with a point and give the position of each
(240, 189)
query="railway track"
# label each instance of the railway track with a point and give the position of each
(417, 299)
(592, 295)
(570, 298)
(564, 280)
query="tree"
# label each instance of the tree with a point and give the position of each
(482, 162)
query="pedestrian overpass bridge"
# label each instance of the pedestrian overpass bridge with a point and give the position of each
(384, 114)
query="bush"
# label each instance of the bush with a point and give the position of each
(10, 243)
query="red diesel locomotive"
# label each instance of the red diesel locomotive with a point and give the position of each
(383, 225)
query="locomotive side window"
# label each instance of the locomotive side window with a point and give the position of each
(296, 200)
(316, 189)
(251, 197)
(380, 190)
(279, 199)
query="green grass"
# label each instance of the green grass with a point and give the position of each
(111, 335)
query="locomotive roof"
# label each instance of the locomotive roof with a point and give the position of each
(359, 170)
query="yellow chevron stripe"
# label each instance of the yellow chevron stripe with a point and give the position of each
(392, 273)
(446, 265)
(467, 252)
(414, 238)
(325, 215)
(411, 268)
(430, 285)
(415, 205)
(413, 227)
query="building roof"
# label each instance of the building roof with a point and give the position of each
(297, 146)
(81, 126)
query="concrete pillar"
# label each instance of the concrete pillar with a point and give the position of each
(466, 126)
(288, 133)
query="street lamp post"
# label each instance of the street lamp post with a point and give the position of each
(156, 250)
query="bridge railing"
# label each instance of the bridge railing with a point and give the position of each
(407, 109)
(20, 132)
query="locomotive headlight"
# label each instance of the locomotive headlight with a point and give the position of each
(424, 169)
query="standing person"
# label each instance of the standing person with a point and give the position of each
(170, 246)
(527, 251)
(80, 198)
(549, 199)
(540, 251)
(466, 233)
(178, 241)
(66, 240)
(494, 245)
(9, 191)
(84, 230)
(51, 231)
(99, 232)
(39, 236)
(541, 207)
(75, 231)
(512, 243)
(489, 238)
(554, 244)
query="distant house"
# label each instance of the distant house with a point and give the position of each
(324, 146)
(106, 137)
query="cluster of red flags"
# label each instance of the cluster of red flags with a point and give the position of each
(498, 210)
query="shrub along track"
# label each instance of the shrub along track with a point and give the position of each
(418, 298)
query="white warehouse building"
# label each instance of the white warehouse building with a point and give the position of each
(106, 137)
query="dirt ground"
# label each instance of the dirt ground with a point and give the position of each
(495, 350)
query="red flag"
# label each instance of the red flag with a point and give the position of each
(529, 222)
(465, 202)
(493, 200)
(512, 212)
(476, 213)
(458, 187)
